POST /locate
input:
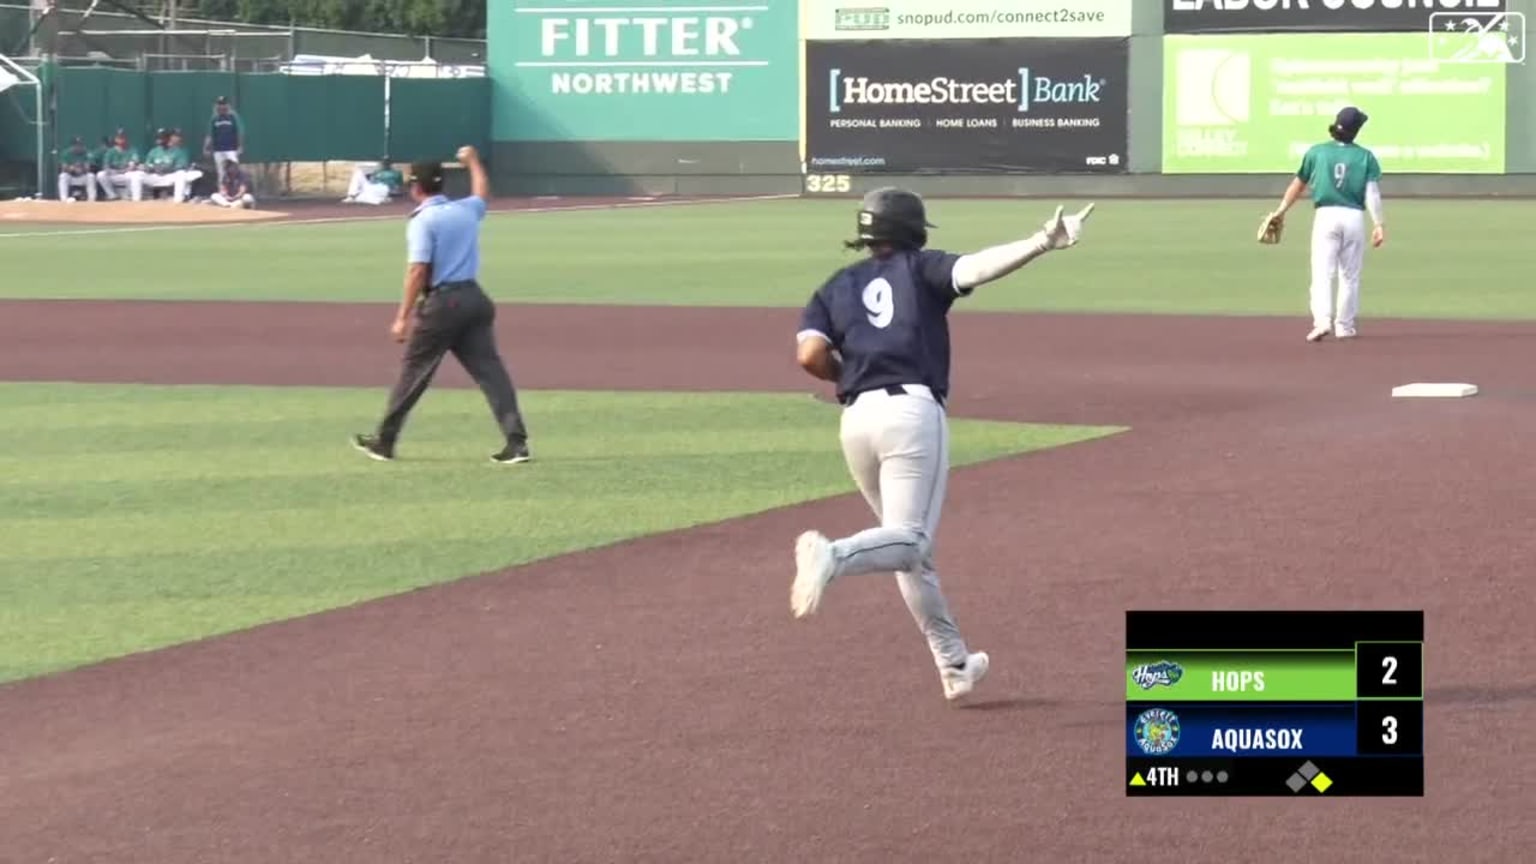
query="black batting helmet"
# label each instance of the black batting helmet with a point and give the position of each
(895, 216)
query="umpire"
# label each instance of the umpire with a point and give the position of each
(444, 309)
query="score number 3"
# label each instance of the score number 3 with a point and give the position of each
(1389, 678)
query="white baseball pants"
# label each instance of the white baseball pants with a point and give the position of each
(220, 157)
(361, 191)
(897, 448)
(132, 180)
(178, 181)
(1338, 249)
(68, 181)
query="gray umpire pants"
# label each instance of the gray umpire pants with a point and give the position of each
(454, 317)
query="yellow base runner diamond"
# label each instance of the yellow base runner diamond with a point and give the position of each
(1321, 782)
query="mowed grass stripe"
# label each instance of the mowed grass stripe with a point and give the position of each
(1443, 258)
(138, 516)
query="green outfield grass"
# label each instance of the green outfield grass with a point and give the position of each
(138, 517)
(1444, 259)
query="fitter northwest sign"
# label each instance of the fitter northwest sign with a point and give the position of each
(642, 70)
(1357, 16)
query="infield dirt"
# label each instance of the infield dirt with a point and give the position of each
(654, 701)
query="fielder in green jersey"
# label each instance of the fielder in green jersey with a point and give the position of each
(1344, 180)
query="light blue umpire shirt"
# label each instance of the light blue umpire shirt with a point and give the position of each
(445, 233)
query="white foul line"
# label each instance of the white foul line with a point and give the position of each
(332, 220)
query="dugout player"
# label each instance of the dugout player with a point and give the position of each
(445, 310)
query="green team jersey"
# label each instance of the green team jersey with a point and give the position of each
(389, 177)
(119, 160)
(75, 158)
(1337, 174)
(163, 160)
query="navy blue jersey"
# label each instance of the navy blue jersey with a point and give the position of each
(224, 129)
(889, 320)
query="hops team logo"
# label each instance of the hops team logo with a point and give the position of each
(1157, 731)
(1164, 672)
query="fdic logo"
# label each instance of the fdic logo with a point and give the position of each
(1157, 731)
(1023, 92)
(1164, 672)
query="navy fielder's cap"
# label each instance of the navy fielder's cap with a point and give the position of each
(1350, 119)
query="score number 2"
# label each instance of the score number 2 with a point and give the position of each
(1389, 678)
(828, 183)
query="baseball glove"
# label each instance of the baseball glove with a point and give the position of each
(1272, 228)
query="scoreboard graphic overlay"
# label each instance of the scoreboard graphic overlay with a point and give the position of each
(1291, 704)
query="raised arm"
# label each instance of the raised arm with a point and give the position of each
(987, 265)
(479, 184)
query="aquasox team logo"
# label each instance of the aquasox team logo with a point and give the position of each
(1157, 731)
(1164, 672)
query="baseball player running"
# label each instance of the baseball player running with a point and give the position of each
(879, 329)
(1344, 179)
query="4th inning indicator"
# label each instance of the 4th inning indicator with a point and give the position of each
(1274, 703)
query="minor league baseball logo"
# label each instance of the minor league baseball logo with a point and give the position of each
(1477, 37)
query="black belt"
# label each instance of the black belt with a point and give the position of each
(891, 390)
(449, 286)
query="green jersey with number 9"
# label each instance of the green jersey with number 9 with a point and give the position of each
(1337, 174)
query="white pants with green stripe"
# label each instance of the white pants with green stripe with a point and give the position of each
(897, 448)
(1338, 251)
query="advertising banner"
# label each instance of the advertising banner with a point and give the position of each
(967, 106)
(641, 70)
(1360, 16)
(965, 19)
(1254, 104)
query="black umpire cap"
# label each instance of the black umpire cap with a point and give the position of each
(428, 175)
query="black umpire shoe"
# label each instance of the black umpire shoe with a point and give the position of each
(512, 455)
(373, 448)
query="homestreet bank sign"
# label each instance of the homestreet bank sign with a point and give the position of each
(645, 70)
(1357, 16)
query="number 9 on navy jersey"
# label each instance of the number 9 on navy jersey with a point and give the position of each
(888, 318)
